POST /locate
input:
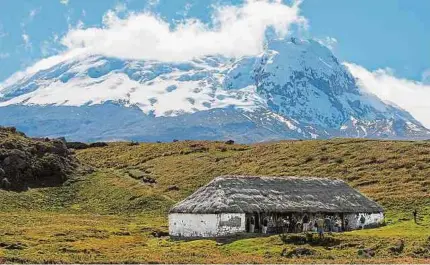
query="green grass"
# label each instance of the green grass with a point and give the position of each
(108, 216)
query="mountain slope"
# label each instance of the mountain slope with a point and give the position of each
(295, 89)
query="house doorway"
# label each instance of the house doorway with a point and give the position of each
(252, 223)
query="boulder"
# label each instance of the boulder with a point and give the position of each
(59, 148)
(5, 184)
(15, 160)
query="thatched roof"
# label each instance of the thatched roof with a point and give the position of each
(244, 194)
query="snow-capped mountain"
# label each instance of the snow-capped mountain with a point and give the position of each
(295, 89)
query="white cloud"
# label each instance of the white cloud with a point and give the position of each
(64, 2)
(410, 95)
(153, 2)
(329, 42)
(120, 7)
(26, 40)
(238, 31)
(48, 48)
(33, 13)
(186, 10)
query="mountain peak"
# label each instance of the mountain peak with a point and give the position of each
(295, 89)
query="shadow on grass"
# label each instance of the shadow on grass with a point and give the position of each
(224, 240)
(309, 238)
(294, 239)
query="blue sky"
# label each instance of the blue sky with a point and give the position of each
(374, 34)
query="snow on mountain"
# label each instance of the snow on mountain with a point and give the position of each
(295, 89)
(158, 88)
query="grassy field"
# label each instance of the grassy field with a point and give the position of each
(109, 215)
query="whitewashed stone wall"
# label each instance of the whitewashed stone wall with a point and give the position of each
(205, 225)
(372, 219)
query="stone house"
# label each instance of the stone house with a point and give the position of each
(231, 205)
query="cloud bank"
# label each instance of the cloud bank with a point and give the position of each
(410, 95)
(237, 31)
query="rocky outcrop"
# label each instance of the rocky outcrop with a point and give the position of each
(30, 163)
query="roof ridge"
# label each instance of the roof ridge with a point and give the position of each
(276, 194)
(277, 177)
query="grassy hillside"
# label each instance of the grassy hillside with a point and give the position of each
(109, 215)
(396, 174)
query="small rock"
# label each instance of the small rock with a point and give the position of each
(159, 234)
(173, 188)
(229, 142)
(149, 180)
(367, 253)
